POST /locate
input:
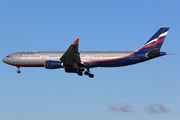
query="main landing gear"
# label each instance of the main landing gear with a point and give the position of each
(79, 73)
(18, 71)
(87, 72)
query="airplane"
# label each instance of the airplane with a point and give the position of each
(77, 62)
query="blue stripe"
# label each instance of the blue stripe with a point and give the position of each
(161, 37)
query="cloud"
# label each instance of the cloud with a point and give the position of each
(125, 107)
(156, 109)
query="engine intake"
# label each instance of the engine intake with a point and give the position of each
(53, 64)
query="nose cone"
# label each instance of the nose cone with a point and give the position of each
(4, 60)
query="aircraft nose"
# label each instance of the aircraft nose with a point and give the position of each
(4, 60)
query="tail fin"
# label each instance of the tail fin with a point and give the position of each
(155, 42)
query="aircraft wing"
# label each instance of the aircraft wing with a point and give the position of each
(71, 56)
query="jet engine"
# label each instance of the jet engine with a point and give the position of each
(53, 64)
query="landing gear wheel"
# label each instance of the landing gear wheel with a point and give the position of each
(91, 75)
(86, 73)
(80, 73)
(18, 71)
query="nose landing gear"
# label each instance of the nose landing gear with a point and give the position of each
(18, 71)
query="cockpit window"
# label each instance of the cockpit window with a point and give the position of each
(7, 56)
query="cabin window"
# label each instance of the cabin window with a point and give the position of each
(34, 56)
(53, 56)
(23, 56)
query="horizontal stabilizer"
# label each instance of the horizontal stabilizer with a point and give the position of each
(154, 53)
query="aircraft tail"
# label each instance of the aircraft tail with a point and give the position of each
(153, 45)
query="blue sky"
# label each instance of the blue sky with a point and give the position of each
(127, 93)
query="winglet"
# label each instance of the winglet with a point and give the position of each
(76, 41)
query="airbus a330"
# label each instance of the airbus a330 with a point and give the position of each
(77, 62)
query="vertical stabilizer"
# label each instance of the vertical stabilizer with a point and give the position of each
(155, 42)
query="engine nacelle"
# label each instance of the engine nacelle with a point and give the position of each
(53, 64)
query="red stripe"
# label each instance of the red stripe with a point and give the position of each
(154, 44)
(76, 41)
(159, 41)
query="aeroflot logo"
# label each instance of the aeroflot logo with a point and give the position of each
(163, 35)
